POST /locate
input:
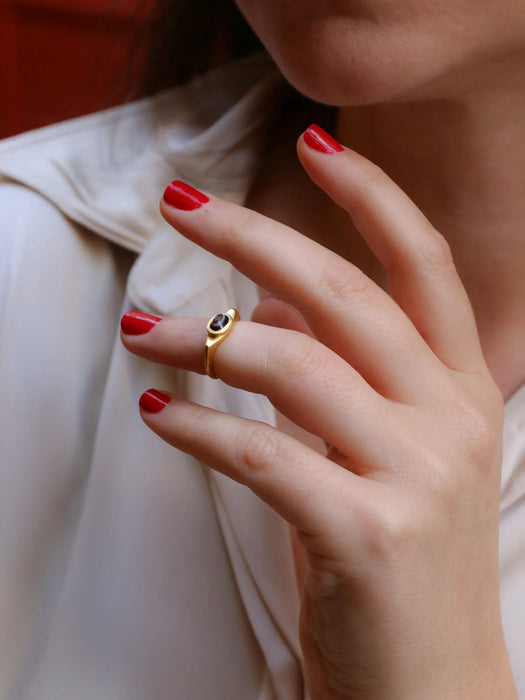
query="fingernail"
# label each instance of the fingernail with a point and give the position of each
(181, 196)
(138, 323)
(319, 140)
(153, 401)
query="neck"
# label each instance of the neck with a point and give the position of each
(463, 164)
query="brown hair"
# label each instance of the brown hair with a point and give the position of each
(179, 39)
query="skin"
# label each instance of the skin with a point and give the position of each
(377, 51)
(406, 360)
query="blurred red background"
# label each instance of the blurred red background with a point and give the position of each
(63, 58)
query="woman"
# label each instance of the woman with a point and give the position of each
(399, 520)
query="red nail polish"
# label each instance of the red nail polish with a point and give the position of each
(181, 196)
(153, 401)
(138, 323)
(319, 140)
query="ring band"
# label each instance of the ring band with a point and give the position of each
(218, 328)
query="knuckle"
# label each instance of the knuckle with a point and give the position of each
(300, 358)
(342, 284)
(478, 435)
(437, 254)
(236, 225)
(259, 448)
(394, 534)
(473, 423)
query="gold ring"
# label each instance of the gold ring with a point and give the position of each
(218, 328)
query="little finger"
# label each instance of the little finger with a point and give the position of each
(313, 494)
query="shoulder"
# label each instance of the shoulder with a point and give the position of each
(106, 171)
(49, 262)
(32, 226)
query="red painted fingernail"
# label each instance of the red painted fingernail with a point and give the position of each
(153, 401)
(319, 140)
(138, 323)
(181, 196)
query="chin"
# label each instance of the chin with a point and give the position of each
(351, 68)
(355, 85)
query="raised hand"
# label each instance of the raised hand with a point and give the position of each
(400, 519)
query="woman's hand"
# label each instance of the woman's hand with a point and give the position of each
(400, 520)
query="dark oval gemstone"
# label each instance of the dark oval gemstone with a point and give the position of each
(218, 322)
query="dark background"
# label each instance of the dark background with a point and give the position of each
(63, 58)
